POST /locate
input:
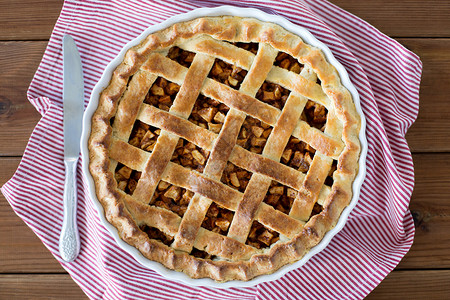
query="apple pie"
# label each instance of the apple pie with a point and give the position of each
(224, 147)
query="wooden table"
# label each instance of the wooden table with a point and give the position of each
(29, 271)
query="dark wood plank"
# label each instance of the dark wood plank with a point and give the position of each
(397, 285)
(430, 132)
(17, 116)
(431, 210)
(404, 18)
(28, 19)
(55, 286)
(402, 285)
(21, 251)
(34, 19)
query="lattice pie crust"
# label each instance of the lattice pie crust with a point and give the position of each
(224, 147)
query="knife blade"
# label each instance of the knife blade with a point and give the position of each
(73, 107)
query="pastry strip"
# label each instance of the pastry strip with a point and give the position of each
(182, 106)
(225, 142)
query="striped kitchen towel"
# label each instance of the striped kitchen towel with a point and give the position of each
(379, 230)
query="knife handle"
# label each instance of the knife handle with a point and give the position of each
(69, 241)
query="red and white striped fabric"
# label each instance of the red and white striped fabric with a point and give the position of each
(380, 229)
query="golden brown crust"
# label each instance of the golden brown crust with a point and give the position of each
(122, 100)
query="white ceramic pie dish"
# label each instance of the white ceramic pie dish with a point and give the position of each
(218, 11)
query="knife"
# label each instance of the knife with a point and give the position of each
(73, 106)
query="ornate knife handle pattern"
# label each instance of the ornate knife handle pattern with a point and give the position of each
(69, 241)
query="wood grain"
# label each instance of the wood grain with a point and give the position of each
(402, 285)
(428, 134)
(17, 116)
(430, 207)
(34, 19)
(28, 19)
(21, 251)
(49, 286)
(403, 18)
(397, 285)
